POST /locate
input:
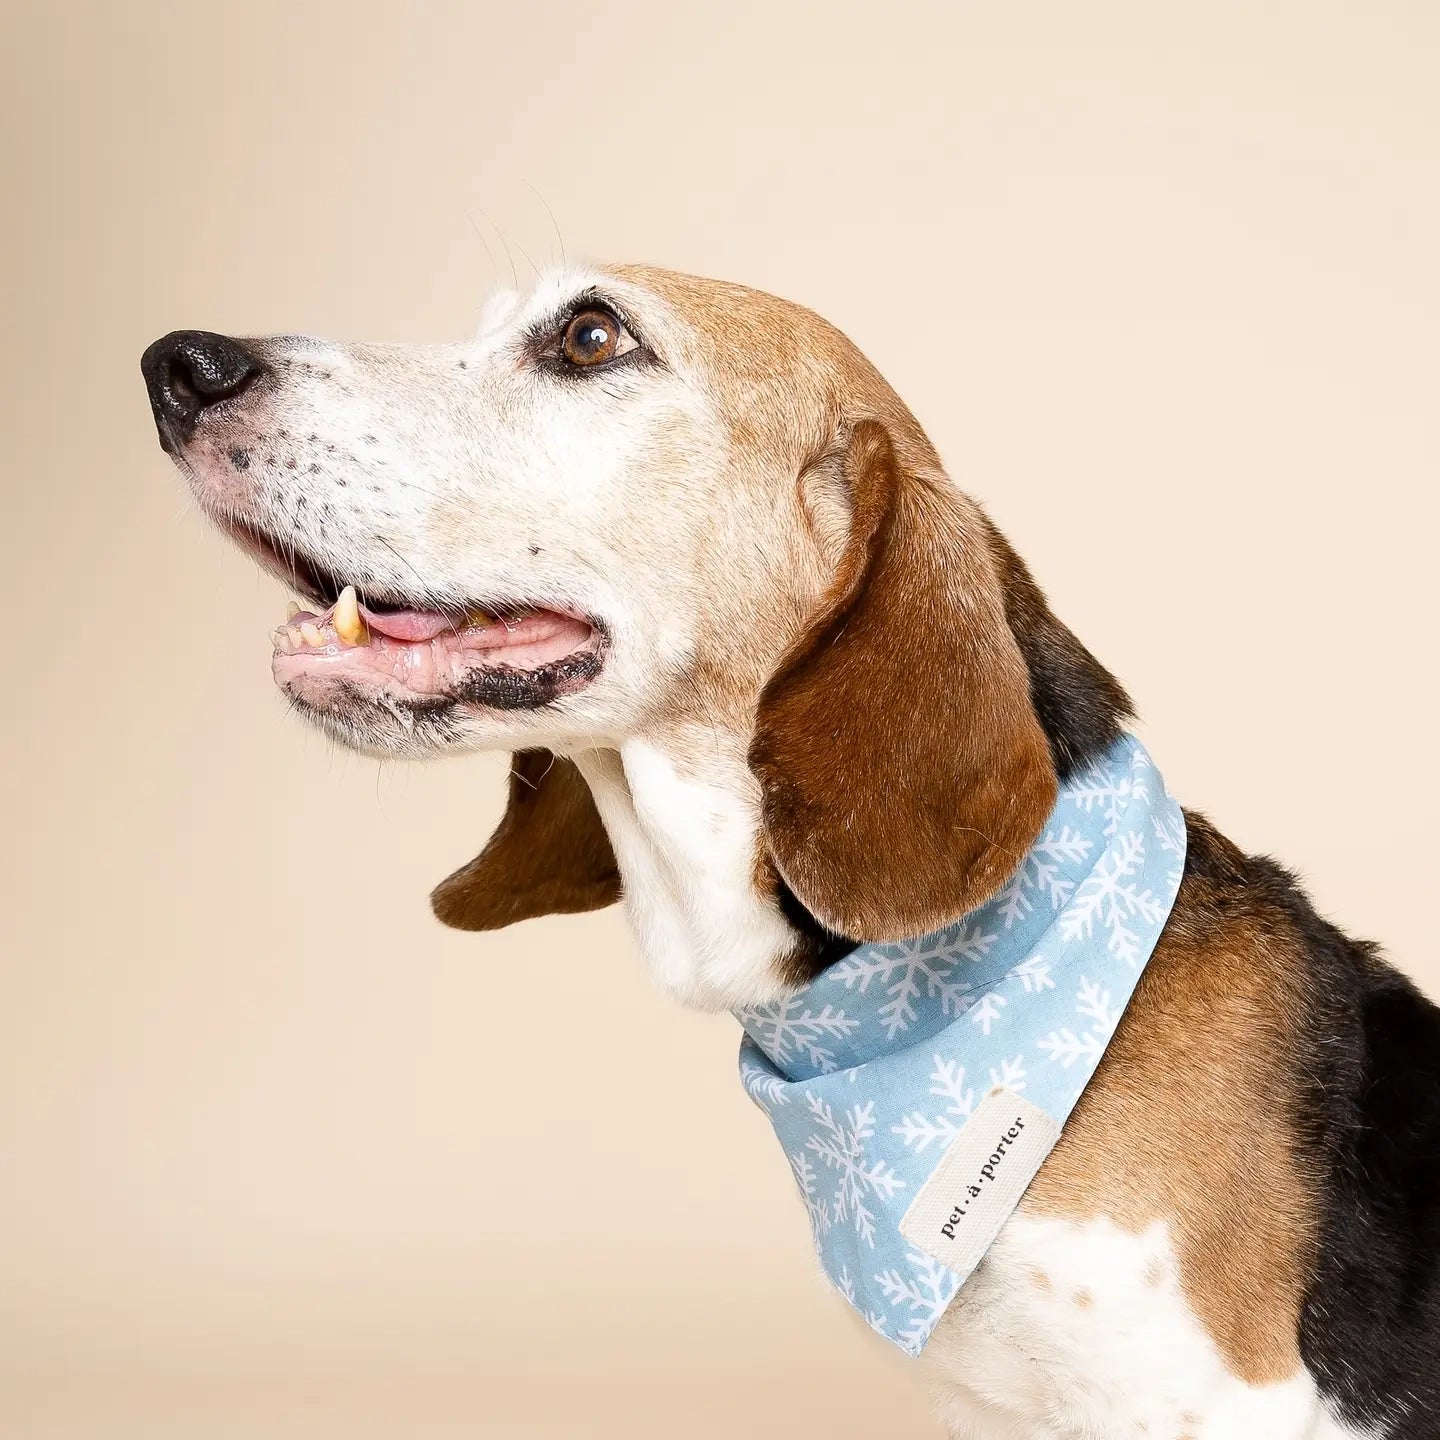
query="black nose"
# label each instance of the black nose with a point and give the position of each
(187, 371)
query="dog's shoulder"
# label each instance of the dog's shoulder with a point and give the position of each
(1268, 1114)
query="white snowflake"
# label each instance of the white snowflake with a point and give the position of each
(924, 1294)
(840, 1146)
(913, 968)
(1170, 836)
(764, 1087)
(986, 1010)
(1040, 877)
(1108, 791)
(1066, 1047)
(1093, 1003)
(846, 1286)
(1111, 896)
(788, 1028)
(918, 1130)
(1010, 1075)
(1141, 769)
(1033, 975)
(809, 1182)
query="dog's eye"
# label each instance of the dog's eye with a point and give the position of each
(592, 337)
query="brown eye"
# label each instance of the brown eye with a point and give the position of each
(591, 338)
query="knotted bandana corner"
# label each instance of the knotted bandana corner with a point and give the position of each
(917, 1087)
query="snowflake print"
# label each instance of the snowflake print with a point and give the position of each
(918, 1130)
(986, 1010)
(1107, 791)
(1092, 1002)
(1033, 975)
(791, 1028)
(809, 1184)
(839, 1145)
(763, 1087)
(1066, 1047)
(1040, 875)
(914, 970)
(846, 1286)
(1112, 897)
(1170, 837)
(1009, 1075)
(924, 1293)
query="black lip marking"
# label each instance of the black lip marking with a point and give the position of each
(356, 715)
(504, 688)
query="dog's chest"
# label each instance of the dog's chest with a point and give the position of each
(1071, 1330)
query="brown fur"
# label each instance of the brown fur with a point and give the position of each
(903, 768)
(1191, 1118)
(549, 855)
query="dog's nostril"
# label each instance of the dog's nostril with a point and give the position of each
(180, 385)
(189, 370)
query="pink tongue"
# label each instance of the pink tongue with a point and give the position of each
(410, 625)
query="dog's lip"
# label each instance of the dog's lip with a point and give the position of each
(415, 651)
(387, 610)
(522, 662)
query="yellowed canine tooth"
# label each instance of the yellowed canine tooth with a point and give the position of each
(478, 618)
(292, 610)
(346, 619)
(311, 633)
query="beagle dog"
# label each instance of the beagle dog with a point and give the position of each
(773, 682)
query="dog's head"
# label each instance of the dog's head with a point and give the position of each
(639, 502)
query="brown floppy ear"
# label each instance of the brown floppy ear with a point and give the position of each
(903, 769)
(549, 854)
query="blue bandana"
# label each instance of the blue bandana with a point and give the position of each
(918, 1087)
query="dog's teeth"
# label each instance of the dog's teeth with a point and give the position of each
(292, 610)
(311, 634)
(479, 619)
(280, 638)
(346, 619)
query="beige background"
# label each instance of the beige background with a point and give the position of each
(282, 1158)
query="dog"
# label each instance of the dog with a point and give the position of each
(770, 679)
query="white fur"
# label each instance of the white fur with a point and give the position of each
(452, 472)
(683, 831)
(1080, 1331)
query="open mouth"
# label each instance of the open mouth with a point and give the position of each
(366, 642)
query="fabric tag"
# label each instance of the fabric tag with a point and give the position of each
(979, 1181)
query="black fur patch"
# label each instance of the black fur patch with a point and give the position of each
(502, 688)
(818, 948)
(1370, 1330)
(1082, 707)
(1368, 1132)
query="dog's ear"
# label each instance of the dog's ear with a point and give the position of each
(549, 854)
(903, 769)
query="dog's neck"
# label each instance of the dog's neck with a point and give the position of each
(682, 810)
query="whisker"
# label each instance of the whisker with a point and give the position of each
(424, 588)
(514, 273)
(480, 235)
(558, 236)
